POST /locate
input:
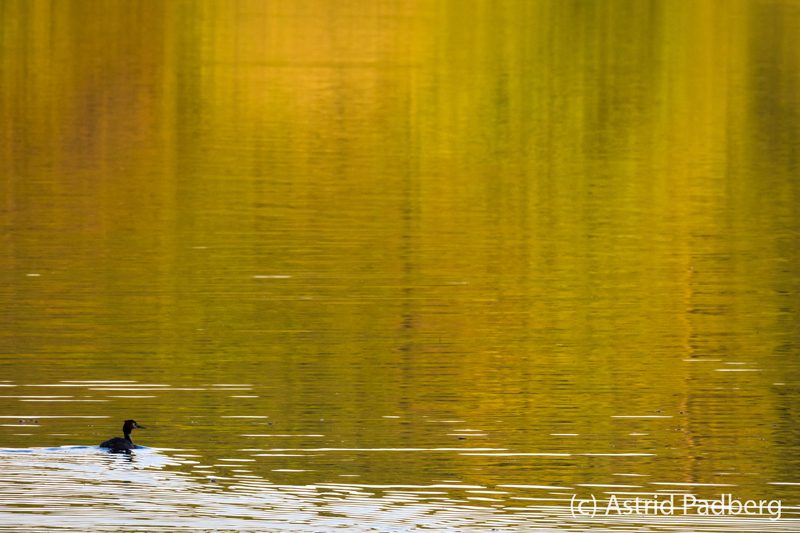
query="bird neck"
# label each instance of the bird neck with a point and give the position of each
(128, 438)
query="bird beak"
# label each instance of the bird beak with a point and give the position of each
(140, 426)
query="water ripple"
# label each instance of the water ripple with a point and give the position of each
(80, 487)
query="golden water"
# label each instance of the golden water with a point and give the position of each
(390, 246)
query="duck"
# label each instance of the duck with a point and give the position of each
(122, 444)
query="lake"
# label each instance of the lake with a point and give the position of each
(399, 265)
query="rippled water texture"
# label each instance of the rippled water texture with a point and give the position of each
(397, 264)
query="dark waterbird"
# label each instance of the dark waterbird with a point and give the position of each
(122, 444)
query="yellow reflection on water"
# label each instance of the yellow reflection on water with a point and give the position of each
(538, 217)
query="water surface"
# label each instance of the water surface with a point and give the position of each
(345, 258)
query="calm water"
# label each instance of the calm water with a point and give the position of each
(399, 264)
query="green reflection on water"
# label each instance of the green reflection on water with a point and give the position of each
(530, 216)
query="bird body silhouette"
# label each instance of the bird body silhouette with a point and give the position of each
(122, 444)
